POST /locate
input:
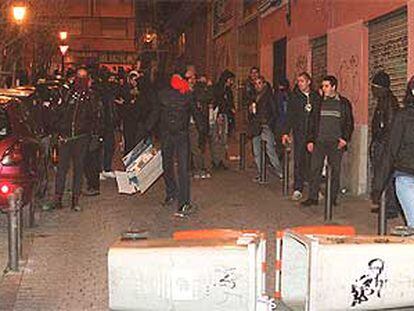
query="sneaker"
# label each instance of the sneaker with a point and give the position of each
(205, 175)
(91, 192)
(184, 210)
(76, 208)
(297, 195)
(75, 204)
(101, 176)
(196, 176)
(109, 174)
(256, 179)
(309, 202)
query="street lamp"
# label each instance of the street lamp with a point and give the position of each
(19, 13)
(63, 35)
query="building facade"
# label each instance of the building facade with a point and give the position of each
(101, 31)
(351, 40)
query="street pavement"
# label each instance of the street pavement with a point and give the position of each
(65, 255)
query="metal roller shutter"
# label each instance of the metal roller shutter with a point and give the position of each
(388, 43)
(319, 60)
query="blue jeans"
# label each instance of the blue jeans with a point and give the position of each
(267, 136)
(404, 185)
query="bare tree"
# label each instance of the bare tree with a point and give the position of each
(32, 44)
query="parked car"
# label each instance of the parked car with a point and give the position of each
(22, 159)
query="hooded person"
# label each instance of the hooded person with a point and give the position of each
(176, 104)
(397, 158)
(385, 110)
(222, 118)
(131, 105)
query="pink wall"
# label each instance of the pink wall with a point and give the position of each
(347, 60)
(314, 18)
(298, 57)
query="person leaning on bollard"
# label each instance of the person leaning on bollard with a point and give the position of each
(262, 114)
(331, 125)
(398, 159)
(301, 102)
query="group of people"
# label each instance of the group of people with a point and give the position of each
(83, 115)
(185, 113)
(188, 114)
(319, 123)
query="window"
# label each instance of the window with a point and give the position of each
(114, 27)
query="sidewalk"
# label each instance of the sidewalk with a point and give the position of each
(66, 266)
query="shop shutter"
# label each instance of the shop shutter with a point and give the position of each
(388, 43)
(319, 60)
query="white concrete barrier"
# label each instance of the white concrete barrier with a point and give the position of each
(347, 273)
(186, 275)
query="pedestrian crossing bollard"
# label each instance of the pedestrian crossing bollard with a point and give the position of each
(286, 160)
(328, 194)
(242, 151)
(263, 164)
(13, 233)
(382, 219)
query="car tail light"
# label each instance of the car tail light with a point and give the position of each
(12, 156)
(5, 189)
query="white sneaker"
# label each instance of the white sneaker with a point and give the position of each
(297, 195)
(109, 174)
(101, 176)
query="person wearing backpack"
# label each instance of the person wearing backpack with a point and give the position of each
(175, 109)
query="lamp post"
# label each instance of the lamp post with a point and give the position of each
(63, 47)
(19, 14)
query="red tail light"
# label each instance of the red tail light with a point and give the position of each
(12, 156)
(5, 189)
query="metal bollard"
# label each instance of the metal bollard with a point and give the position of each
(13, 233)
(286, 160)
(19, 206)
(382, 219)
(263, 164)
(328, 194)
(32, 211)
(242, 151)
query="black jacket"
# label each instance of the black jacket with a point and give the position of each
(299, 110)
(384, 112)
(223, 95)
(80, 113)
(347, 121)
(398, 151)
(203, 96)
(249, 92)
(175, 110)
(266, 112)
(402, 141)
